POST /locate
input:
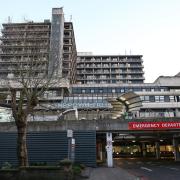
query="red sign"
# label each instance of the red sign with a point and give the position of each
(153, 125)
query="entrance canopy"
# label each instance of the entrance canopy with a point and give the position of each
(127, 102)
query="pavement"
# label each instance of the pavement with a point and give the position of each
(105, 173)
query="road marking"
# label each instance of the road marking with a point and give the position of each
(139, 162)
(176, 169)
(129, 163)
(149, 162)
(147, 169)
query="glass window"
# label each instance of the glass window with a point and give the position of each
(122, 90)
(105, 90)
(146, 98)
(166, 99)
(95, 90)
(88, 90)
(156, 89)
(92, 90)
(157, 98)
(137, 89)
(90, 100)
(171, 98)
(148, 89)
(151, 99)
(161, 98)
(109, 90)
(100, 90)
(118, 90)
(178, 98)
(76, 90)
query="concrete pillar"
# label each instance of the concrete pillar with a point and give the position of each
(176, 149)
(157, 149)
(109, 149)
(144, 152)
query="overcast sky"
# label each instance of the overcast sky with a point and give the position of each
(147, 27)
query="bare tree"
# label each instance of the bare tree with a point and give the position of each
(27, 81)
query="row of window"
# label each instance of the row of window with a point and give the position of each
(160, 98)
(79, 90)
(93, 99)
(113, 81)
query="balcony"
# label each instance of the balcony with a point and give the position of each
(20, 53)
(23, 37)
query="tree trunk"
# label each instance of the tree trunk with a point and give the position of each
(21, 143)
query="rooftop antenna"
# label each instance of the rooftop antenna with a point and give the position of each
(26, 20)
(9, 19)
(70, 18)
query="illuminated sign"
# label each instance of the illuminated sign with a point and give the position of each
(153, 125)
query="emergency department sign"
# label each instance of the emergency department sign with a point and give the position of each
(153, 125)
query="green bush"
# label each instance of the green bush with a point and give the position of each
(76, 170)
(6, 165)
(65, 162)
(39, 164)
(82, 166)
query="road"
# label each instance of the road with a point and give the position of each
(150, 169)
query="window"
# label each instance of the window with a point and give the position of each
(178, 98)
(151, 99)
(161, 98)
(109, 90)
(166, 99)
(113, 91)
(148, 89)
(146, 98)
(137, 89)
(76, 90)
(156, 98)
(118, 90)
(100, 91)
(122, 90)
(171, 98)
(156, 89)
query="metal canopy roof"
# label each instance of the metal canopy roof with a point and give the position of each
(125, 103)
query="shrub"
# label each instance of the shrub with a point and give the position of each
(76, 170)
(39, 164)
(82, 166)
(6, 165)
(65, 162)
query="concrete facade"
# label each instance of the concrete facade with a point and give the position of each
(109, 69)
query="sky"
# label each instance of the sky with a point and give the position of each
(138, 27)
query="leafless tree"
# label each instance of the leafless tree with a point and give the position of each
(27, 81)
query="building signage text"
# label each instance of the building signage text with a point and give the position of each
(153, 125)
